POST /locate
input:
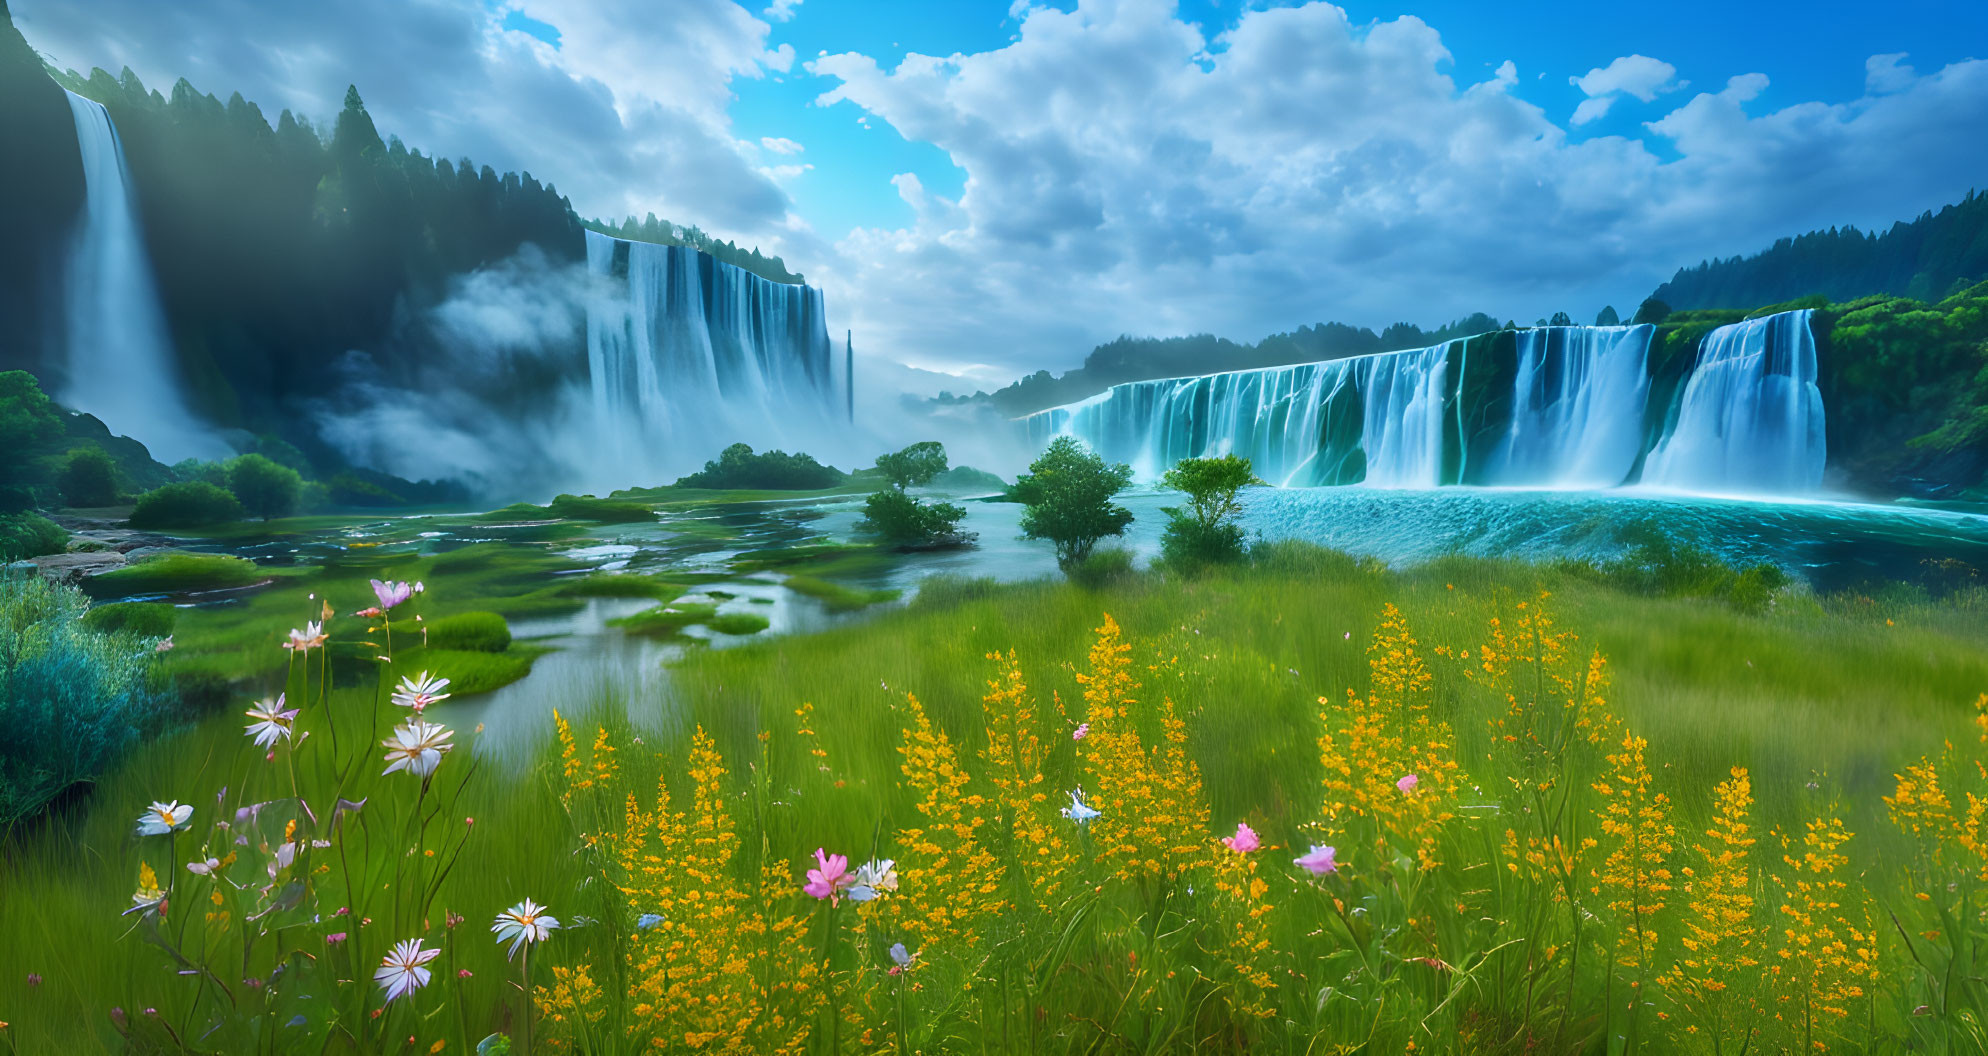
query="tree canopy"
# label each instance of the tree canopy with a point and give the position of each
(1068, 493)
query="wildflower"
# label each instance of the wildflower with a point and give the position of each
(34, 978)
(271, 722)
(831, 876)
(901, 958)
(391, 593)
(1083, 730)
(400, 972)
(464, 973)
(1244, 841)
(148, 895)
(1407, 783)
(647, 921)
(165, 645)
(522, 924)
(416, 747)
(1077, 811)
(420, 691)
(1319, 861)
(371, 613)
(335, 938)
(163, 818)
(205, 868)
(311, 637)
(874, 878)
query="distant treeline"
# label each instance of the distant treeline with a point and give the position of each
(1930, 259)
(1143, 358)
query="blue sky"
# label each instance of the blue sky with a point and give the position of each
(985, 187)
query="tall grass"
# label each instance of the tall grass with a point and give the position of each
(1452, 923)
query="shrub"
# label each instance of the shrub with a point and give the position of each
(72, 699)
(898, 518)
(483, 632)
(952, 589)
(29, 535)
(738, 467)
(609, 511)
(1101, 568)
(265, 488)
(1206, 532)
(27, 419)
(176, 574)
(88, 478)
(144, 619)
(186, 504)
(1068, 494)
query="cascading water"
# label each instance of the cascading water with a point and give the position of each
(684, 350)
(1548, 407)
(120, 365)
(1577, 407)
(1751, 417)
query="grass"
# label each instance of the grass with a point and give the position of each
(178, 574)
(737, 623)
(1841, 692)
(588, 508)
(665, 621)
(838, 597)
(610, 585)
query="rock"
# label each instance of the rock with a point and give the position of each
(72, 568)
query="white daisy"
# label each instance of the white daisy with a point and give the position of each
(400, 972)
(416, 747)
(420, 691)
(873, 879)
(162, 818)
(271, 722)
(523, 923)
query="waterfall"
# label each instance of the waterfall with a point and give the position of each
(1545, 407)
(686, 354)
(120, 359)
(1577, 407)
(1376, 419)
(1750, 418)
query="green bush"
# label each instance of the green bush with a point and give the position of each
(145, 619)
(898, 518)
(88, 478)
(29, 534)
(1659, 565)
(1188, 544)
(176, 574)
(265, 488)
(72, 700)
(1205, 532)
(738, 623)
(483, 632)
(1101, 568)
(738, 467)
(609, 511)
(186, 504)
(27, 419)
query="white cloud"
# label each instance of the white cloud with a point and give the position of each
(1125, 174)
(626, 115)
(779, 145)
(1887, 73)
(1635, 75)
(781, 10)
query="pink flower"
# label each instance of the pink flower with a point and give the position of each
(165, 645)
(1320, 861)
(335, 938)
(1407, 783)
(391, 593)
(371, 614)
(1244, 841)
(832, 876)
(1083, 730)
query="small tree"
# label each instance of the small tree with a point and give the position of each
(88, 478)
(1068, 494)
(897, 517)
(265, 488)
(27, 419)
(914, 465)
(1206, 530)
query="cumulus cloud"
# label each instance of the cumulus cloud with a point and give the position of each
(1124, 173)
(780, 145)
(781, 10)
(1887, 73)
(1635, 75)
(625, 114)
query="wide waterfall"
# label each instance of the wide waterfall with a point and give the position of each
(1750, 419)
(120, 362)
(1545, 407)
(684, 351)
